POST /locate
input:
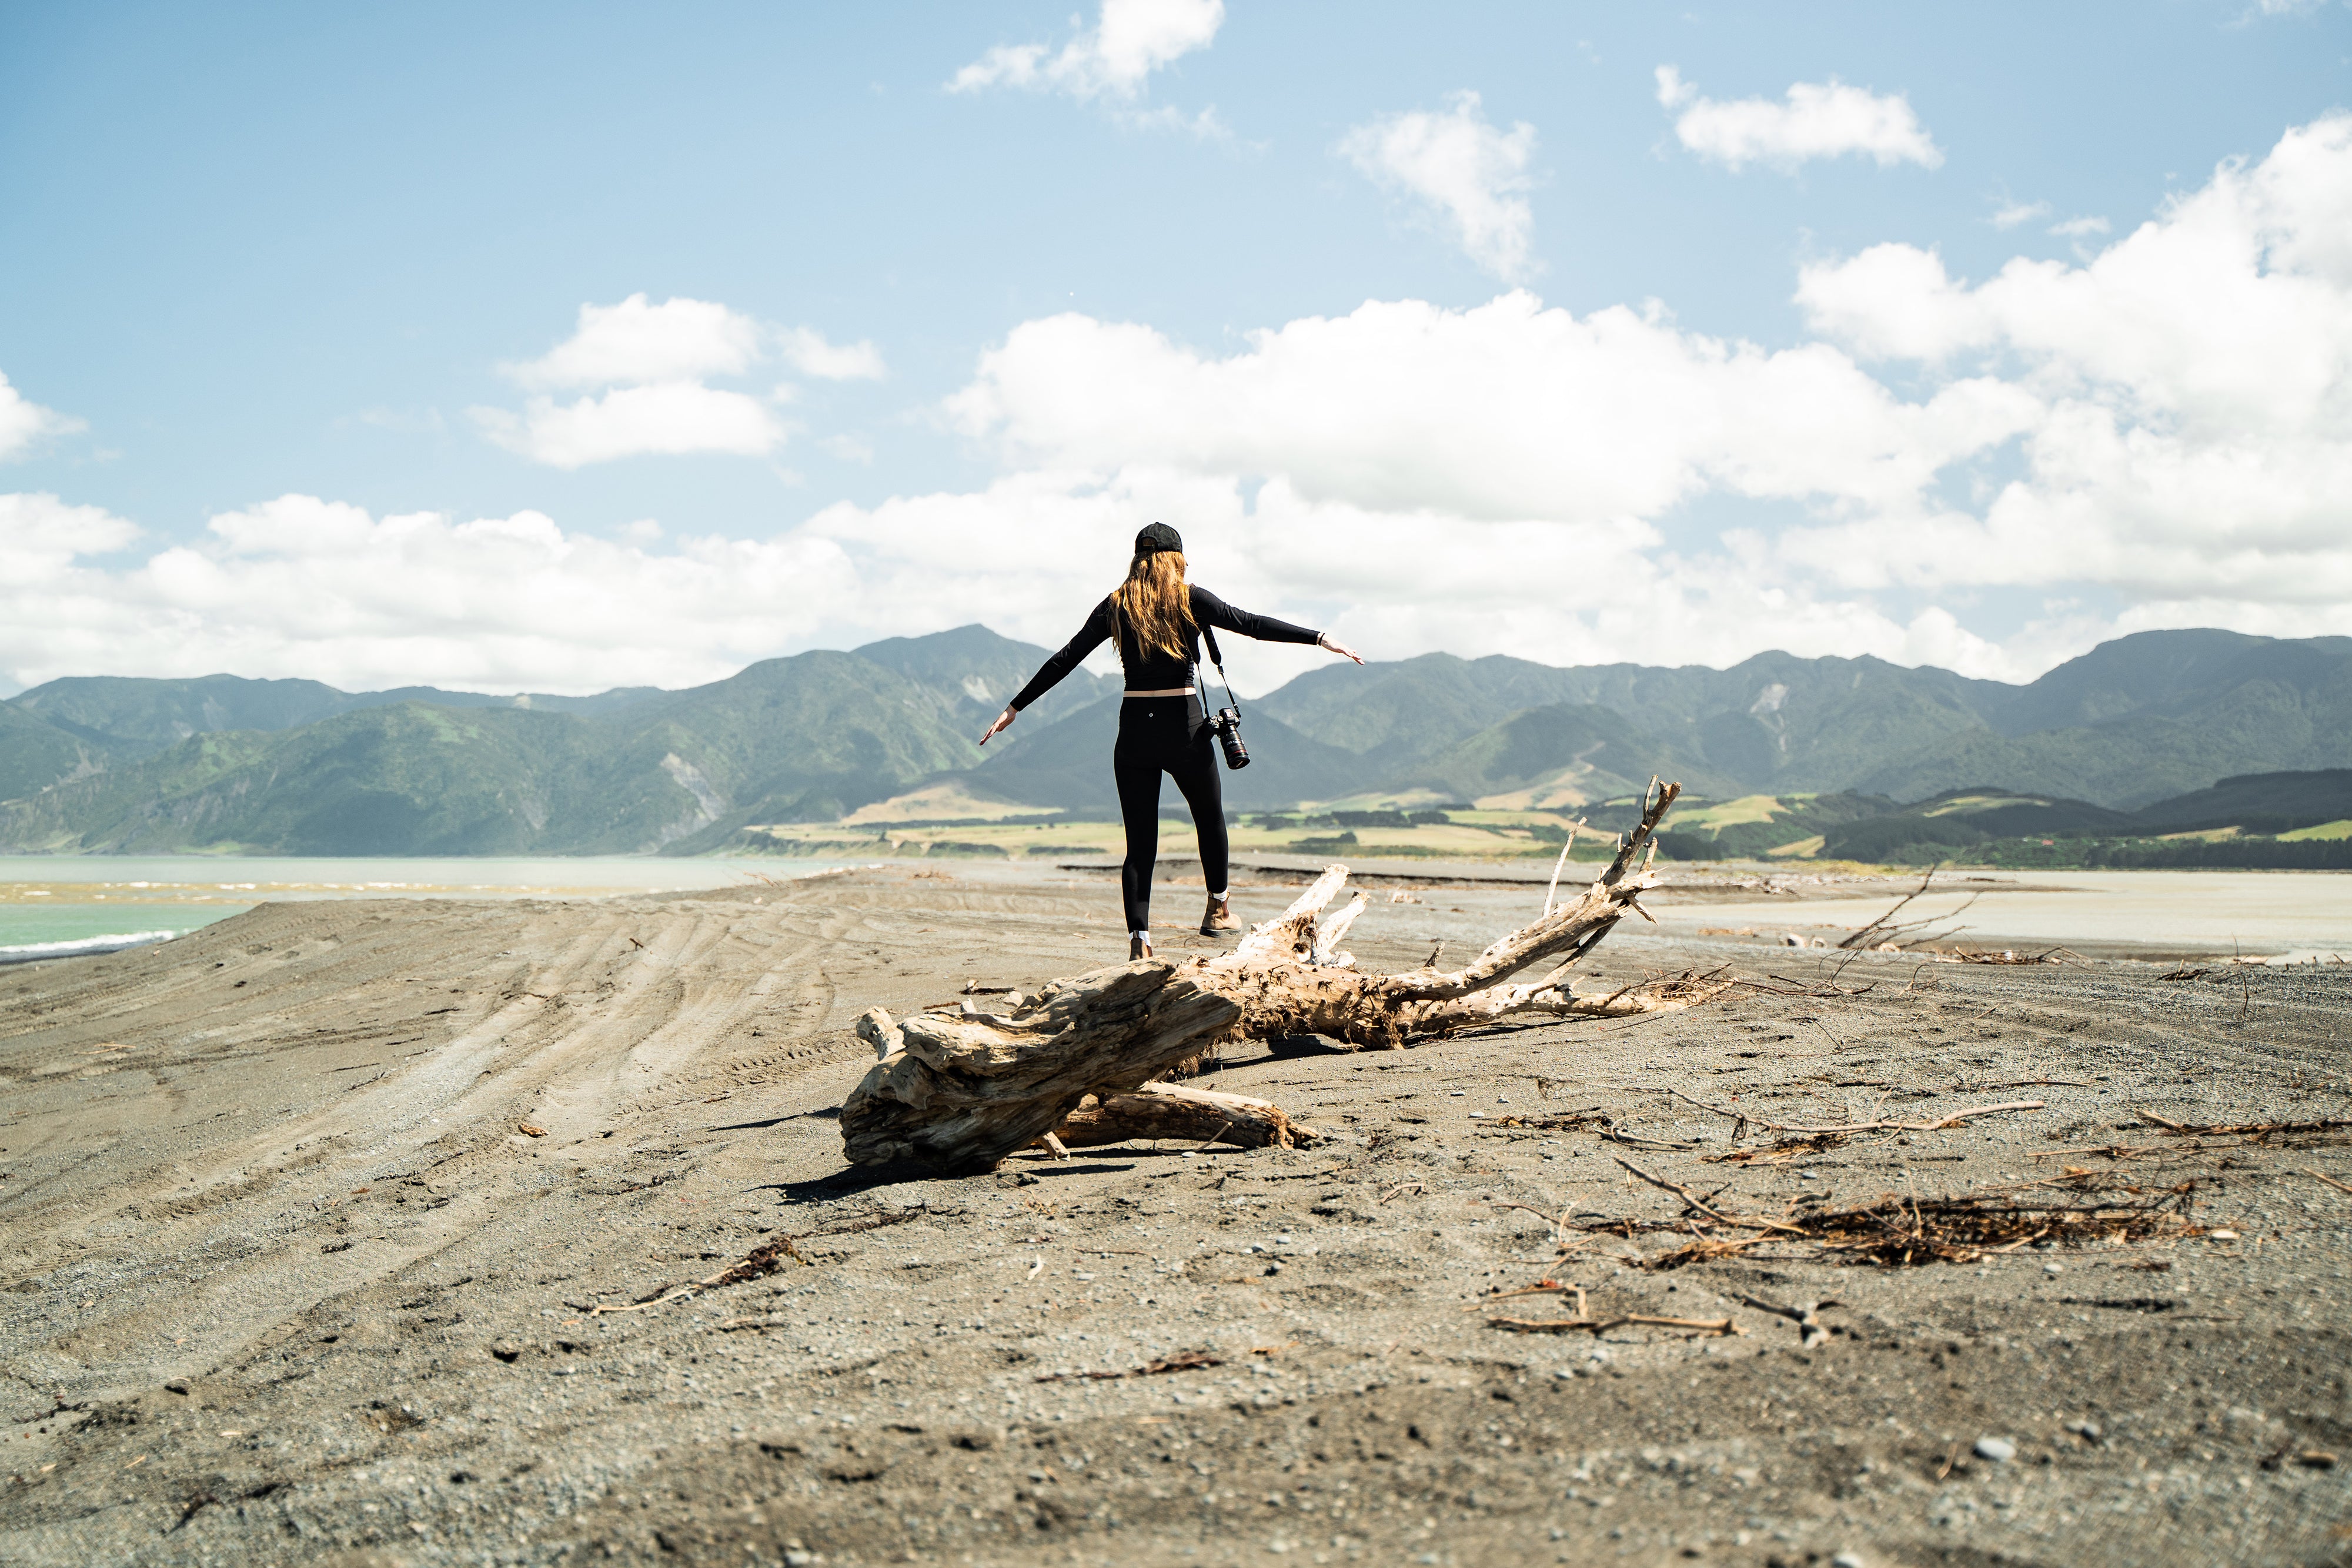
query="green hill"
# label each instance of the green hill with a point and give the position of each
(802, 738)
(2146, 716)
(1777, 751)
(2258, 803)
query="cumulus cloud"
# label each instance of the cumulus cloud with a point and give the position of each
(1114, 58)
(2156, 435)
(1508, 411)
(309, 587)
(2196, 445)
(1471, 176)
(808, 352)
(23, 422)
(1817, 119)
(665, 419)
(654, 362)
(638, 341)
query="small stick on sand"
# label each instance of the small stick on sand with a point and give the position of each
(1215, 1136)
(1601, 1325)
(1688, 1196)
(1807, 1319)
(2328, 1179)
(1544, 1288)
(1955, 1119)
(2243, 1129)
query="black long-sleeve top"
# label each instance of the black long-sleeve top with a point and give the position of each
(1152, 669)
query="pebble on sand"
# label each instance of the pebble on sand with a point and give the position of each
(2000, 1450)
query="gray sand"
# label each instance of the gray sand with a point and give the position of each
(290, 1285)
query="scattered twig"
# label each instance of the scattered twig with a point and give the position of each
(1182, 1361)
(1862, 938)
(1602, 1325)
(761, 1260)
(1696, 1202)
(1953, 1120)
(2328, 1179)
(1807, 1318)
(1540, 1288)
(2244, 1129)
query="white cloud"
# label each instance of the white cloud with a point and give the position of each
(2159, 434)
(2017, 213)
(2081, 229)
(1473, 176)
(2196, 447)
(1509, 411)
(1818, 120)
(23, 422)
(1129, 40)
(302, 586)
(635, 342)
(808, 352)
(654, 361)
(667, 419)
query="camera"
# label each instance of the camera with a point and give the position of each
(1228, 724)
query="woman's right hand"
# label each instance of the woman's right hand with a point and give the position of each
(1333, 645)
(1007, 716)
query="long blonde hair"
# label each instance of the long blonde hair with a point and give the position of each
(1156, 603)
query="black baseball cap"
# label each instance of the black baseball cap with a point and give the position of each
(1157, 537)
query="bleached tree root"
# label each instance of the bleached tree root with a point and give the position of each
(960, 1090)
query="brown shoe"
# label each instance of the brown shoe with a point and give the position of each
(1138, 948)
(1219, 916)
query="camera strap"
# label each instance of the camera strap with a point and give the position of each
(1209, 634)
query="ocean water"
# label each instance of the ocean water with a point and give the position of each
(59, 904)
(2286, 916)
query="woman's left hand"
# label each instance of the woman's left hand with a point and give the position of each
(1334, 645)
(1008, 716)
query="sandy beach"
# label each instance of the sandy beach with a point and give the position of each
(356, 1232)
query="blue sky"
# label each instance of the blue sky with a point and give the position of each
(258, 255)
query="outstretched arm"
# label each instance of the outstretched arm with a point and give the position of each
(1092, 635)
(1211, 611)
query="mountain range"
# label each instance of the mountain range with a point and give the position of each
(123, 764)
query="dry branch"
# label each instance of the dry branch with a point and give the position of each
(1955, 1119)
(1601, 1325)
(961, 1090)
(1182, 1113)
(1883, 926)
(2243, 1129)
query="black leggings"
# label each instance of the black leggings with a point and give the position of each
(1172, 736)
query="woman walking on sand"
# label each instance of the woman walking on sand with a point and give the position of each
(1156, 617)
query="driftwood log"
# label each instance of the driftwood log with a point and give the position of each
(960, 1090)
(1182, 1113)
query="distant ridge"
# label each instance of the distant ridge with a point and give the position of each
(122, 764)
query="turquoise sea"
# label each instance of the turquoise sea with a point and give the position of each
(64, 904)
